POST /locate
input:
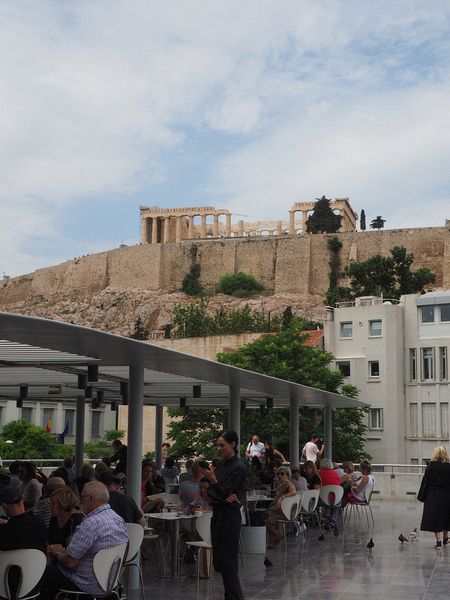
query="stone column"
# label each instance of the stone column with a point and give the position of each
(178, 230)
(228, 225)
(166, 230)
(216, 226)
(203, 233)
(154, 230)
(240, 230)
(191, 228)
(304, 219)
(291, 222)
(144, 230)
(279, 228)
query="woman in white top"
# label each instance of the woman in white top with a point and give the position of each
(301, 485)
(357, 493)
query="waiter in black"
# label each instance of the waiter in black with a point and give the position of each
(226, 494)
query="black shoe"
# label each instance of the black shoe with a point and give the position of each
(439, 544)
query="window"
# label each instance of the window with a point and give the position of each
(346, 329)
(427, 314)
(376, 418)
(443, 366)
(69, 421)
(412, 364)
(48, 420)
(95, 423)
(429, 419)
(27, 414)
(445, 312)
(344, 367)
(375, 328)
(414, 461)
(427, 363)
(444, 419)
(374, 368)
(414, 419)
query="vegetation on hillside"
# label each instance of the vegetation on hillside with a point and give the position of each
(191, 281)
(239, 285)
(323, 219)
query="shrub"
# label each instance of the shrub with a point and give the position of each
(191, 284)
(239, 285)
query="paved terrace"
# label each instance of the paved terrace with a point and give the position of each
(338, 568)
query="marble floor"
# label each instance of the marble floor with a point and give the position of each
(338, 567)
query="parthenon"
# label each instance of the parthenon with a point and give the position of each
(165, 225)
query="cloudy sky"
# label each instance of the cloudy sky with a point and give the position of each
(248, 105)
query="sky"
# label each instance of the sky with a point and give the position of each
(247, 105)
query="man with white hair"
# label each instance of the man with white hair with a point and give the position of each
(102, 528)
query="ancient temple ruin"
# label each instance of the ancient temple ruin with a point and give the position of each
(164, 225)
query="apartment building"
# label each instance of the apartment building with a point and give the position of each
(396, 354)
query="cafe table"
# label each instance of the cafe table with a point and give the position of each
(172, 520)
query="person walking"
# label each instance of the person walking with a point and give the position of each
(435, 494)
(226, 494)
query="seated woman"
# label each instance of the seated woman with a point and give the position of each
(170, 471)
(285, 489)
(272, 455)
(66, 516)
(350, 475)
(152, 484)
(357, 493)
(312, 475)
(31, 488)
(329, 477)
(301, 485)
(201, 502)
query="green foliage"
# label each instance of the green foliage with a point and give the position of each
(140, 332)
(194, 320)
(191, 284)
(378, 223)
(334, 246)
(362, 220)
(113, 434)
(323, 219)
(103, 446)
(287, 317)
(240, 285)
(195, 429)
(30, 441)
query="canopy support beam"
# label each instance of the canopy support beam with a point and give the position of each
(294, 441)
(234, 398)
(328, 430)
(79, 434)
(158, 434)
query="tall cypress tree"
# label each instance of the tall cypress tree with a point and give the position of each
(323, 219)
(362, 220)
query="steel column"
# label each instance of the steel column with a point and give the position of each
(294, 440)
(328, 430)
(158, 434)
(79, 433)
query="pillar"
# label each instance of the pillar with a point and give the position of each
(79, 433)
(178, 230)
(158, 434)
(216, 226)
(228, 225)
(240, 231)
(328, 431)
(279, 228)
(191, 232)
(154, 230)
(203, 233)
(291, 222)
(166, 230)
(294, 441)
(234, 400)
(304, 219)
(144, 230)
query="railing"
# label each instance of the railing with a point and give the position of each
(368, 301)
(397, 468)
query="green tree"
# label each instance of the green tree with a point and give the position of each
(103, 446)
(140, 332)
(378, 223)
(195, 430)
(30, 441)
(323, 219)
(191, 281)
(240, 285)
(362, 220)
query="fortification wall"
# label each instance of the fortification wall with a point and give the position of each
(284, 264)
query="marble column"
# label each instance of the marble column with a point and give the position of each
(203, 233)
(304, 219)
(228, 225)
(191, 228)
(144, 230)
(178, 230)
(291, 222)
(216, 226)
(279, 228)
(154, 230)
(166, 230)
(240, 231)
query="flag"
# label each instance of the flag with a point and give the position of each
(48, 427)
(66, 429)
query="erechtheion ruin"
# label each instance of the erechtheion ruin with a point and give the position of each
(164, 225)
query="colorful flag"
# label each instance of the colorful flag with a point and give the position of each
(48, 427)
(66, 429)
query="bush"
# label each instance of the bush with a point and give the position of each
(239, 285)
(191, 284)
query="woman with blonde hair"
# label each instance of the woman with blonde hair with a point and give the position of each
(66, 516)
(435, 494)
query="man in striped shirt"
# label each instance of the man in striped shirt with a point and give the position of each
(102, 528)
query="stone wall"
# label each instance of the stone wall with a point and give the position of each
(284, 264)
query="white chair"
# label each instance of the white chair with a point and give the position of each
(290, 507)
(309, 501)
(29, 566)
(107, 565)
(331, 496)
(357, 509)
(132, 558)
(203, 526)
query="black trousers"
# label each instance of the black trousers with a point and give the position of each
(53, 580)
(225, 531)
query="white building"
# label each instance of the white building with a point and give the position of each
(396, 354)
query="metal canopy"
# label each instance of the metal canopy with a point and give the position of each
(45, 355)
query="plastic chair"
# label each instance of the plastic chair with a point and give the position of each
(357, 509)
(290, 507)
(29, 565)
(331, 496)
(132, 558)
(203, 527)
(107, 565)
(309, 501)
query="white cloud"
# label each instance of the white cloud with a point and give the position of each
(336, 97)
